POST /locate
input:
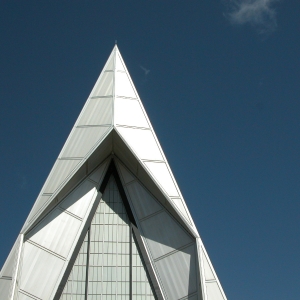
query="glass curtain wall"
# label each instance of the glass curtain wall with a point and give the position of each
(109, 265)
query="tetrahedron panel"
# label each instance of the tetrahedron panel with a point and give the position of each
(172, 249)
(92, 125)
(50, 244)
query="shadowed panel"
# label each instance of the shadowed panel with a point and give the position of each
(181, 268)
(163, 234)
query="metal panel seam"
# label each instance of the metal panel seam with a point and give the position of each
(29, 295)
(114, 86)
(152, 215)
(69, 213)
(174, 251)
(46, 250)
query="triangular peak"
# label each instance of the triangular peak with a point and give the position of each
(104, 86)
(112, 135)
(113, 104)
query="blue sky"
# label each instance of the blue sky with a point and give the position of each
(220, 82)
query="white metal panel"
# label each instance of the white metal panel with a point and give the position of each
(78, 201)
(129, 112)
(110, 62)
(213, 287)
(178, 273)
(57, 232)
(208, 272)
(142, 142)
(5, 287)
(162, 175)
(61, 170)
(98, 173)
(9, 265)
(144, 204)
(82, 140)
(164, 234)
(120, 66)
(40, 271)
(126, 175)
(123, 86)
(98, 111)
(213, 291)
(10, 268)
(104, 85)
(179, 204)
(41, 200)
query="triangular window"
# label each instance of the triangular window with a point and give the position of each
(109, 264)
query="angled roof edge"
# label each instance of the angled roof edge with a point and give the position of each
(127, 157)
(96, 156)
(144, 121)
(111, 146)
(90, 126)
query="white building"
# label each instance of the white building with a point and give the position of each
(110, 221)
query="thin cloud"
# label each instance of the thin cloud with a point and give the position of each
(261, 14)
(146, 71)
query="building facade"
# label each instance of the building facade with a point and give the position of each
(110, 221)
